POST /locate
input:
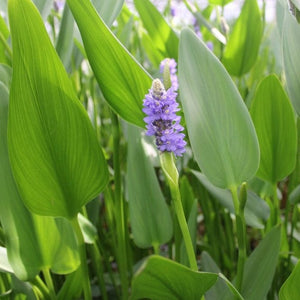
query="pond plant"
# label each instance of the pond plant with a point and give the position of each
(146, 155)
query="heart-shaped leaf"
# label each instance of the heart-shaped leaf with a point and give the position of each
(33, 242)
(220, 128)
(161, 278)
(55, 157)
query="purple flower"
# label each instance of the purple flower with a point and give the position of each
(173, 71)
(210, 45)
(162, 122)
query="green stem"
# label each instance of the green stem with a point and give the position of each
(276, 210)
(82, 252)
(156, 248)
(40, 287)
(241, 235)
(49, 282)
(119, 207)
(5, 44)
(171, 173)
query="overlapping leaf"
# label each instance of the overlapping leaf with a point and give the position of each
(122, 80)
(33, 242)
(55, 157)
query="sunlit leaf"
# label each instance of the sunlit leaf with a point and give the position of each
(162, 35)
(33, 242)
(122, 80)
(55, 156)
(161, 278)
(243, 44)
(150, 217)
(275, 124)
(220, 128)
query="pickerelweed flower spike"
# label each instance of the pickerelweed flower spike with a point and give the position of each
(162, 122)
(173, 70)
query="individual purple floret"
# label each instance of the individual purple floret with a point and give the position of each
(162, 122)
(173, 71)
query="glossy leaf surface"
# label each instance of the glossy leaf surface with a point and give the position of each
(56, 159)
(275, 124)
(243, 44)
(122, 80)
(163, 37)
(291, 58)
(161, 278)
(220, 129)
(150, 217)
(33, 242)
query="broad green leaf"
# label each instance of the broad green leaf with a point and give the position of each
(162, 35)
(161, 278)
(33, 242)
(256, 210)
(243, 44)
(122, 80)
(291, 59)
(220, 128)
(294, 197)
(260, 267)
(4, 263)
(56, 160)
(108, 10)
(275, 124)
(150, 217)
(290, 289)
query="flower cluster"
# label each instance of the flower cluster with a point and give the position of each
(173, 70)
(162, 122)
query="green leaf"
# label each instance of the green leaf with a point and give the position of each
(5, 75)
(243, 44)
(64, 43)
(219, 2)
(32, 241)
(108, 10)
(150, 217)
(260, 266)
(275, 124)
(163, 37)
(290, 288)
(89, 231)
(161, 278)
(291, 59)
(44, 7)
(256, 210)
(122, 80)
(221, 131)
(294, 197)
(218, 289)
(56, 160)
